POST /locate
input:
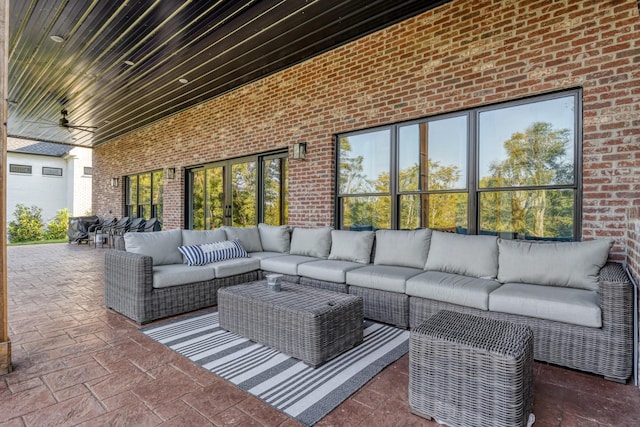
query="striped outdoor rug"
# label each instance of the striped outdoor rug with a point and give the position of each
(304, 393)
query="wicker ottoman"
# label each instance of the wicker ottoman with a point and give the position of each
(313, 325)
(466, 370)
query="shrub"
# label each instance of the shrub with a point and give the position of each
(57, 228)
(28, 224)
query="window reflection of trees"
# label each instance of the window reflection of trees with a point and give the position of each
(537, 157)
(227, 192)
(523, 184)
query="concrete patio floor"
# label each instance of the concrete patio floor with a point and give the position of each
(77, 363)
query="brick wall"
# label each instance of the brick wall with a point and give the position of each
(460, 55)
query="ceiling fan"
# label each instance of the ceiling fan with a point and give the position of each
(64, 123)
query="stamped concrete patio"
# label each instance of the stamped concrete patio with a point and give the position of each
(77, 363)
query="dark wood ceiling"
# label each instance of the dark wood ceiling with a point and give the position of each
(216, 45)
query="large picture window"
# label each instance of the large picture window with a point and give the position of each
(509, 169)
(144, 195)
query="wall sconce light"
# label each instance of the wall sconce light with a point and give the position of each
(171, 173)
(115, 182)
(300, 150)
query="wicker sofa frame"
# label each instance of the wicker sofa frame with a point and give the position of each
(604, 351)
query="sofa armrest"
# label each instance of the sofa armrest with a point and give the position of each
(128, 282)
(616, 299)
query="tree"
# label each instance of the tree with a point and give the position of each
(352, 179)
(274, 171)
(243, 193)
(197, 202)
(443, 210)
(535, 158)
(27, 226)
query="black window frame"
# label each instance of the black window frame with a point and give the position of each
(260, 159)
(46, 171)
(473, 188)
(155, 208)
(14, 168)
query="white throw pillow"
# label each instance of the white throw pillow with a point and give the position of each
(315, 242)
(249, 237)
(354, 246)
(275, 238)
(403, 248)
(162, 246)
(469, 255)
(571, 264)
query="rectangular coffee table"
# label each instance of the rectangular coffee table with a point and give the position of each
(313, 325)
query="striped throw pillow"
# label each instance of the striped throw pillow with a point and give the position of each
(212, 252)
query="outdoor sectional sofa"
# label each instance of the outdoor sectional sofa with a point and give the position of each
(579, 306)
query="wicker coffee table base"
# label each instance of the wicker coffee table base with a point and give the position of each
(310, 324)
(470, 371)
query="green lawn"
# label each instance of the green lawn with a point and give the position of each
(38, 242)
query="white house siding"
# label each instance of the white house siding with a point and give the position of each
(79, 193)
(50, 193)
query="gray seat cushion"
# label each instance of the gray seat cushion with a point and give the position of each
(168, 275)
(452, 288)
(570, 264)
(275, 238)
(568, 305)
(249, 237)
(402, 248)
(162, 246)
(354, 246)
(473, 255)
(382, 277)
(327, 270)
(313, 242)
(285, 264)
(264, 254)
(231, 267)
(200, 237)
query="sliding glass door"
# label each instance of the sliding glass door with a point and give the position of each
(239, 192)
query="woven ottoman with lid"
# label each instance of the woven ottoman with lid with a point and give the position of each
(467, 370)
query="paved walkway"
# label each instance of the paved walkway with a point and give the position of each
(77, 363)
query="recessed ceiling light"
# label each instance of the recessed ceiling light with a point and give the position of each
(129, 63)
(183, 81)
(56, 38)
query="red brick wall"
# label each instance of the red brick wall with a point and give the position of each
(462, 54)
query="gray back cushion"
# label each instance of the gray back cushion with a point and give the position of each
(571, 264)
(275, 238)
(469, 255)
(249, 237)
(200, 237)
(354, 246)
(162, 246)
(315, 242)
(403, 248)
